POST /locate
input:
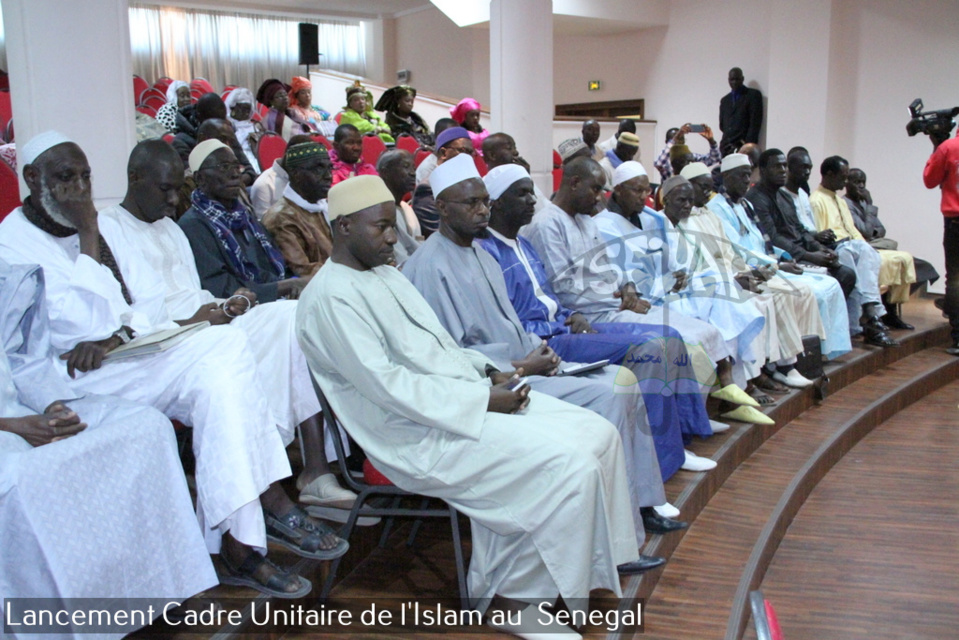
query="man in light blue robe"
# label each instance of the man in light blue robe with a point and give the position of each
(95, 509)
(465, 288)
(757, 250)
(669, 394)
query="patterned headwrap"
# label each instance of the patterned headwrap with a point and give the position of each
(226, 223)
(458, 112)
(299, 82)
(390, 99)
(299, 154)
(268, 89)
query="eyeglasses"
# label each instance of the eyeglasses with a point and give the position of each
(229, 167)
(473, 204)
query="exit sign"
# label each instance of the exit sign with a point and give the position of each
(595, 85)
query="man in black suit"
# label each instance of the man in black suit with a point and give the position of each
(740, 114)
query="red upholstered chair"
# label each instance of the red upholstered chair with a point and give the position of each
(154, 102)
(337, 117)
(226, 91)
(373, 147)
(420, 156)
(6, 110)
(139, 86)
(271, 147)
(202, 85)
(377, 485)
(259, 112)
(480, 165)
(168, 138)
(163, 83)
(557, 178)
(9, 190)
(147, 109)
(557, 159)
(408, 143)
(8, 131)
(323, 141)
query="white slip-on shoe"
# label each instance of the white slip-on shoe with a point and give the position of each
(697, 463)
(718, 427)
(794, 379)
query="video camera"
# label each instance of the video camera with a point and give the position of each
(938, 124)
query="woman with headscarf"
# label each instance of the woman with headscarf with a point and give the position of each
(467, 114)
(177, 96)
(359, 113)
(276, 95)
(304, 112)
(397, 102)
(239, 107)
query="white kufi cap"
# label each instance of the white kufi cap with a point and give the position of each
(501, 178)
(40, 143)
(453, 171)
(627, 171)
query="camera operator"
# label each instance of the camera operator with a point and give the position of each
(942, 170)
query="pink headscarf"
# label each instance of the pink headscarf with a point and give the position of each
(459, 111)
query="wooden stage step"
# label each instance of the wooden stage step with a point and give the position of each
(702, 592)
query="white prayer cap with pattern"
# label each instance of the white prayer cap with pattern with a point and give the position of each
(355, 194)
(627, 171)
(40, 143)
(694, 170)
(202, 151)
(453, 171)
(501, 178)
(734, 161)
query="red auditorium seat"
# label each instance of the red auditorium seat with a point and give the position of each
(271, 147)
(9, 190)
(6, 111)
(226, 91)
(139, 86)
(408, 143)
(557, 178)
(373, 147)
(147, 109)
(420, 156)
(557, 159)
(323, 141)
(480, 165)
(202, 85)
(162, 84)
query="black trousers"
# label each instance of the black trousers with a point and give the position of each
(950, 244)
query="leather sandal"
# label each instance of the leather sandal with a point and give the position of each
(252, 573)
(302, 535)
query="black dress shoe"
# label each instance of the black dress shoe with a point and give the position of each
(645, 563)
(655, 523)
(896, 322)
(875, 333)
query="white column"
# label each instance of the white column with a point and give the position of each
(521, 80)
(71, 70)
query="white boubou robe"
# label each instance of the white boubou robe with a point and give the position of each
(209, 381)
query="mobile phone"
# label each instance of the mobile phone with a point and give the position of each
(697, 128)
(516, 385)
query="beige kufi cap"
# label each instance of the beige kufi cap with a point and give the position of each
(355, 194)
(202, 151)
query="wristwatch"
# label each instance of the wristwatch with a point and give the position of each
(124, 333)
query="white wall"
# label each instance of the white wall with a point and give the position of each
(70, 69)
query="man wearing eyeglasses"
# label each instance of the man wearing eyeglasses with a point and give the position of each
(449, 144)
(232, 249)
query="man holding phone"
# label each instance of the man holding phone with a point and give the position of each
(677, 137)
